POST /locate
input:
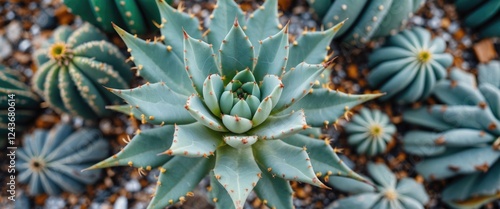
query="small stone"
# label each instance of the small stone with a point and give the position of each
(14, 31)
(133, 186)
(24, 46)
(46, 19)
(6, 49)
(121, 203)
(484, 50)
(54, 203)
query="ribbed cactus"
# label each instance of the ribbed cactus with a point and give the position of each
(366, 19)
(388, 193)
(51, 161)
(234, 112)
(483, 16)
(408, 66)
(137, 16)
(74, 67)
(370, 131)
(24, 107)
(467, 141)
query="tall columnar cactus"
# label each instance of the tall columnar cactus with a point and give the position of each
(367, 19)
(467, 141)
(408, 66)
(137, 16)
(234, 112)
(388, 193)
(370, 131)
(74, 67)
(24, 106)
(483, 16)
(51, 161)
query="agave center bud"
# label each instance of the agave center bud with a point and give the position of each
(496, 144)
(424, 56)
(37, 165)
(376, 130)
(61, 53)
(391, 194)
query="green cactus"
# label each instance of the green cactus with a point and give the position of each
(74, 67)
(370, 131)
(388, 193)
(483, 16)
(467, 143)
(51, 161)
(367, 19)
(25, 107)
(409, 65)
(234, 115)
(137, 16)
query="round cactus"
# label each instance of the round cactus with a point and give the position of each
(51, 161)
(137, 16)
(73, 68)
(408, 66)
(482, 16)
(388, 192)
(24, 107)
(370, 131)
(467, 138)
(366, 19)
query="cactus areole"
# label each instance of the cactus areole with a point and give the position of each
(238, 115)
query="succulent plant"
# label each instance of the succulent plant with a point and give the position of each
(388, 192)
(25, 106)
(466, 143)
(482, 16)
(236, 115)
(367, 19)
(73, 68)
(370, 131)
(137, 16)
(409, 65)
(51, 161)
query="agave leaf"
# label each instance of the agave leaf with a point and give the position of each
(263, 23)
(237, 171)
(286, 161)
(198, 111)
(236, 124)
(273, 55)
(222, 20)
(236, 52)
(277, 192)
(240, 142)
(194, 140)
(409, 187)
(199, 59)
(263, 111)
(129, 110)
(350, 185)
(323, 158)
(159, 101)
(178, 177)
(156, 63)
(361, 201)
(278, 127)
(143, 150)
(218, 194)
(212, 92)
(273, 87)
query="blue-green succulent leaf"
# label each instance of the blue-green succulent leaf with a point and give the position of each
(273, 55)
(222, 19)
(218, 194)
(199, 111)
(194, 140)
(199, 61)
(278, 127)
(236, 52)
(276, 192)
(263, 23)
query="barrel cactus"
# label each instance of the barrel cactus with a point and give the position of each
(51, 161)
(409, 65)
(388, 193)
(467, 141)
(367, 19)
(137, 16)
(236, 115)
(73, 68)
(370, 131)
(482, 16)
(16, 100)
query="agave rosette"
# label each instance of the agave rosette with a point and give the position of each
(235, 115)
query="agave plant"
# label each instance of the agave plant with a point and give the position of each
(467, 141)
(388, 193)
(51, 161)
(74, 66)
(367, 19)
(370, 131)
(482, 16)
(235, 115)
(409, 65)
(23, 109)
(137, 16)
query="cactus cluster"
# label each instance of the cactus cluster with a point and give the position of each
(409, 65)
(51, 161)
(388, 193)
(482, 16)
(466, 143)
(73, 68)
(26, 102)
(367, 19)
(370, 131)
(231, 103)
(137, 16)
